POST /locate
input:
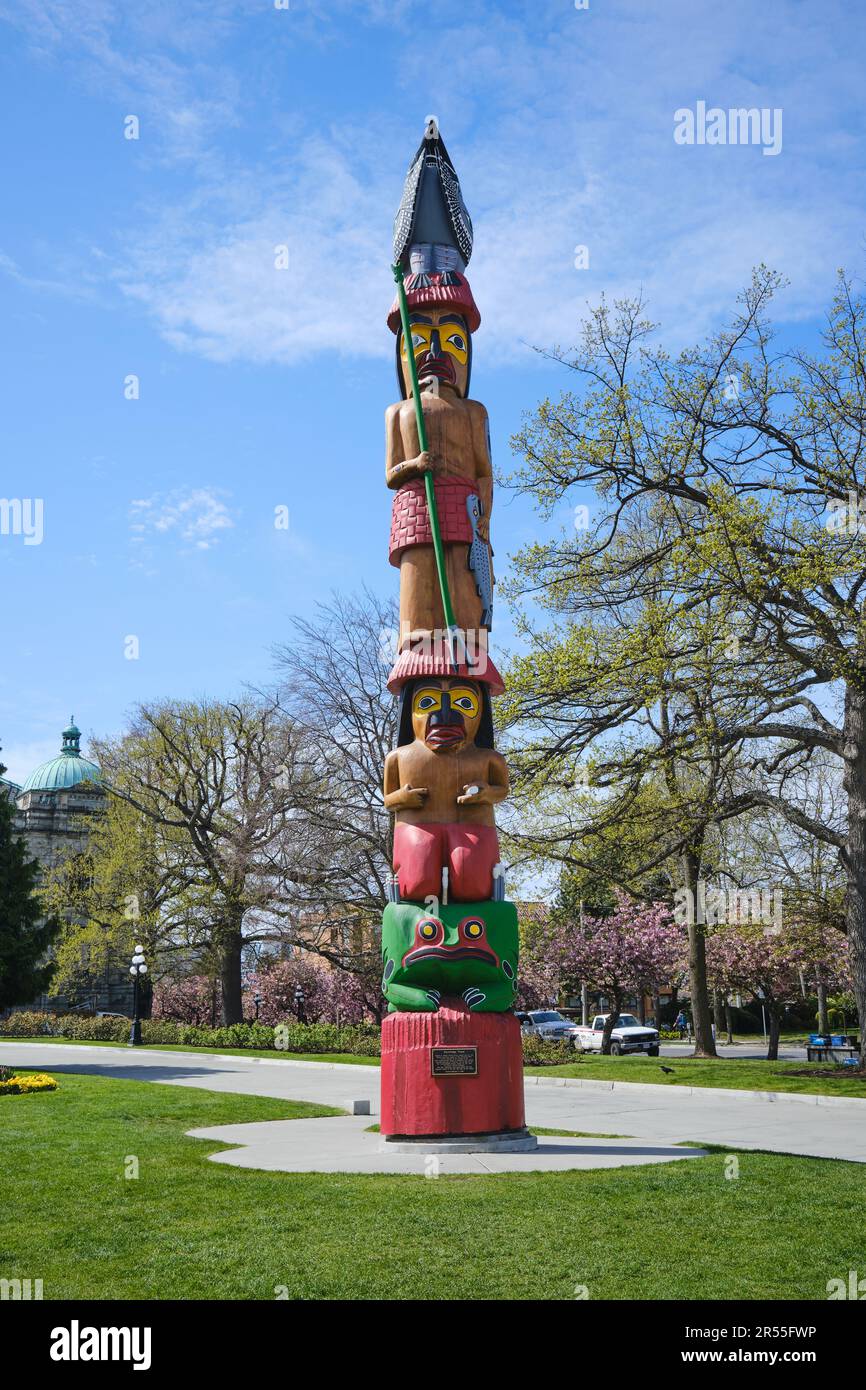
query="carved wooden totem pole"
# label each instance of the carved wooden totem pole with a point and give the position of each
(452, 1067)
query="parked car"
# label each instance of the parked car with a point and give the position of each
(548, 1023)
(628, 1035)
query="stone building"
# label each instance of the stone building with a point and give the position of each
(54, 809)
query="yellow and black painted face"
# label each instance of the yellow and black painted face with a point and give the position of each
(442, 349)
(446, 714)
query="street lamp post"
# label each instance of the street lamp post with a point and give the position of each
(136, 970)
(299, 1004)
(257, 1000)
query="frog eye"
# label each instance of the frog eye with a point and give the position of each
(428, 929)
(473, 928)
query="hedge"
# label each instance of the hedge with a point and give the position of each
(359, 1039)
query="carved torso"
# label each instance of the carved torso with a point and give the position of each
(456, 432)
(445, 775)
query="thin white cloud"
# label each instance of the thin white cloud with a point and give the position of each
(194, 518)
(23, 758)
(561, 124)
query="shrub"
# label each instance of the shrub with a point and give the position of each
(85, 1029)
(28, 1025)
(543, 1052)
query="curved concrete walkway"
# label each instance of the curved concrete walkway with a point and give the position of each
(343, 1145)
(820, 1126)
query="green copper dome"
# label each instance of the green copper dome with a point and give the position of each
(67, 769)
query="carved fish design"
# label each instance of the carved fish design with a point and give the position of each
(479, 561)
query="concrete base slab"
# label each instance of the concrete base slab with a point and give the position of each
(344, 1145)
(509, 1141)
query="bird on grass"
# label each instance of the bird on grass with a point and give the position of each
(669, 1071)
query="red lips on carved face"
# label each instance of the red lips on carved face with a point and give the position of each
(443, 367)
(441, 736)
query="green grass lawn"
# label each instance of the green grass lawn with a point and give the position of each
(187, 1228)
(734, 1073)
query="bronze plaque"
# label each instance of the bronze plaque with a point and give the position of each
(454, 1061)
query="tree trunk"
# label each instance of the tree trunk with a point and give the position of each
(230, 944)
(718, 1013)
(729, 1020)
(774, 1026)
(615, 1002)
(704, 1045)
(823, 1020)
(854, 861)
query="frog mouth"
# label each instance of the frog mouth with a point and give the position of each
(450, 953)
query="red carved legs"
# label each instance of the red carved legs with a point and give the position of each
(469, 852)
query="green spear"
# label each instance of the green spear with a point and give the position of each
(455, 640)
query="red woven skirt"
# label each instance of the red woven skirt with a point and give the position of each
(410, 520)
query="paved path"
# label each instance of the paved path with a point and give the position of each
(750, 1051)
(825, 1127)
(343, 1145)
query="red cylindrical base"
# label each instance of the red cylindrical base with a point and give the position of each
(417, 1101)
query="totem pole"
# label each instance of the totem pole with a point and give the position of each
(452, 1066)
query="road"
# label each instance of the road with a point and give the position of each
(788, 1052)
(796, 1125)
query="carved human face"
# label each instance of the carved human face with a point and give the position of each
(446, 714)
(441, 346)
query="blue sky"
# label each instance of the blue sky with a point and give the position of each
(262, 388)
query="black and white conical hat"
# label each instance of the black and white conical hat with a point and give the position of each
(432, 220)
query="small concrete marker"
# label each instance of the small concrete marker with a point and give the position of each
(360, 1107)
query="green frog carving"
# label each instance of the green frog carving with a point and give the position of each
(464, 949)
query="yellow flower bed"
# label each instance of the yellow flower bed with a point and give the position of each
(24, 1085)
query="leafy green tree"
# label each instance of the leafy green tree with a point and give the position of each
(25, 933)
(753, 461)
(125, 887)
(214, 789)
(599, 699)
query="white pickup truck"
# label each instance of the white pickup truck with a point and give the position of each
(628, 1036)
